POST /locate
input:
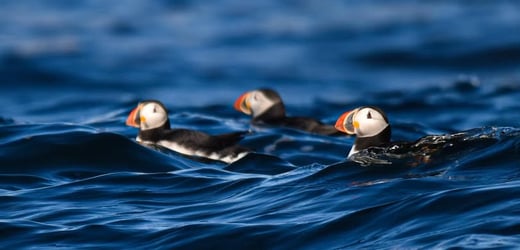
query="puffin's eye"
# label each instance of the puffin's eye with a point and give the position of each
(369, 116)
(154, 109)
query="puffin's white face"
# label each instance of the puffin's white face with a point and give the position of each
(147, 115)
(153, 115)
(363, 122)
(254, 103)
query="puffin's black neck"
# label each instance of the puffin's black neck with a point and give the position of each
(380, 139)
(276, 112)
(154, 134)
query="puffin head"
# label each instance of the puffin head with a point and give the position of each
(363, 122)
(257, 102)
(148, 115)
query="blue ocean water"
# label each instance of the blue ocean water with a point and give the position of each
(73, 177)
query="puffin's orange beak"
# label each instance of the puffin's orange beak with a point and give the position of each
(242, 104)
(133, 119)
(346, 123)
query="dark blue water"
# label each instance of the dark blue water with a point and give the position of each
(72, 176)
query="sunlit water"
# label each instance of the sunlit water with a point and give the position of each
(72, 176)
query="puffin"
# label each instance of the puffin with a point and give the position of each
(266, 108)
(369, 124)
(151, 117)
(373, 134)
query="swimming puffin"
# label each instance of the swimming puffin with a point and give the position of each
(266, 107)
(151, 117)
(373, 134)
(369, 124)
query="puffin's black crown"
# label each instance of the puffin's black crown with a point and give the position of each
(271, 94)
(156, 102)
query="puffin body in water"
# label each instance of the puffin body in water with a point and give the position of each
(151, 117)
(266, 107)
(373, 137)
